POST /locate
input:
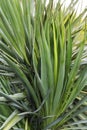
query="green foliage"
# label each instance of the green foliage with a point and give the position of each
(43, 66)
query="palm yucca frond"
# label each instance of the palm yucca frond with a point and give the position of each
(43, 66)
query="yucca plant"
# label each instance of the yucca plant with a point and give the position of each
(43, 66)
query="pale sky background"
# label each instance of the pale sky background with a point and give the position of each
(82, 4)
